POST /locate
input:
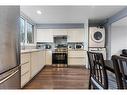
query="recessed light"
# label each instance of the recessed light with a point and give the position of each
(39, 12)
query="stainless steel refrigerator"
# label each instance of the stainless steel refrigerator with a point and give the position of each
(9, 47)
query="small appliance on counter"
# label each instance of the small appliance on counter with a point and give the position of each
(41, 45)
(75, 46)
(47, 46)
(71, 46)
(79, 46)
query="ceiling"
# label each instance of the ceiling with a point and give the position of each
(122, 22)
(70, 14)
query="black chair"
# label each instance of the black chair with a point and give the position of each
(120, 68)
(124, 53)
(98, 75)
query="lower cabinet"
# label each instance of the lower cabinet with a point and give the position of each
(76, 61)
(25, 79)
(37, 62)
(25, 68)
(77, 57)
(31, 64)
(48, 55)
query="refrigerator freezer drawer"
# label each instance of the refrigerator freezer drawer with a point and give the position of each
(10, 80)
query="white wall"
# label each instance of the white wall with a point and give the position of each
(118, 39)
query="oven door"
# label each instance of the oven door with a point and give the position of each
(59, 58)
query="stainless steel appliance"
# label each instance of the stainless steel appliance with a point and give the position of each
(9, 47)
(48, 46)
(96, 37)
(59, 54)
(79, 46)
(59, 57)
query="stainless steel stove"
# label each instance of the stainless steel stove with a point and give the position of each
(59, 57)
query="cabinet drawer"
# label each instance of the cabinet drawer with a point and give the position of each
(76, 54)
(25, 58)
(76, 61)
(25, 78)
(25, 68)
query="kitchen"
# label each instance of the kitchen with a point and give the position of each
(52, 42)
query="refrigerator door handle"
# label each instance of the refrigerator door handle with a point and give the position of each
(9, 76)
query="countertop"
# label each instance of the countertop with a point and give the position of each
(35, 50)
(31, 50)
(76, 50)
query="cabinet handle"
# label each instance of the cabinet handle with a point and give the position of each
(9, 76)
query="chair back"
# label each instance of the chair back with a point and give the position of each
(120, 68)
(98, 72)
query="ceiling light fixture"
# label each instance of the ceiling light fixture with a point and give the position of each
(39, 12)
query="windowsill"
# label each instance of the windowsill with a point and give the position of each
(27, 46)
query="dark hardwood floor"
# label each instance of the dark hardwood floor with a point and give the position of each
(60, 78)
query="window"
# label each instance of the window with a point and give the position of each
(29, 33)
(22, 30)
(26, 32)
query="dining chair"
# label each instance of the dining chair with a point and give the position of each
(98, 75)
(120, 68)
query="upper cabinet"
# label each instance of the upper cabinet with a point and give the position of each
(73, 35)
(57, 32)
(44, 35)
(76, 35)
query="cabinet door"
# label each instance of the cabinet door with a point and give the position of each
(77, 53)
(25, 68)
(48, 57)
(34, 63)
(37, 62)
(41, 60)
(76, 35)
(44, 35)
(76, 61)
(25, 78)
(59, 32)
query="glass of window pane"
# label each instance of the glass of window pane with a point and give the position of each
(29, 33)
(22, 30)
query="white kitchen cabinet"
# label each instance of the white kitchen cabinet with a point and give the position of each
(25, 68)
(25, 79)
(77, 57)
(41, 60)
(58, 32)
(76, 35)
(77, 53)
(48, 55)
(76, 61)
(34, 63)
(37, 62)
(44, 35)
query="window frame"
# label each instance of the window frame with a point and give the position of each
(25, 30)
